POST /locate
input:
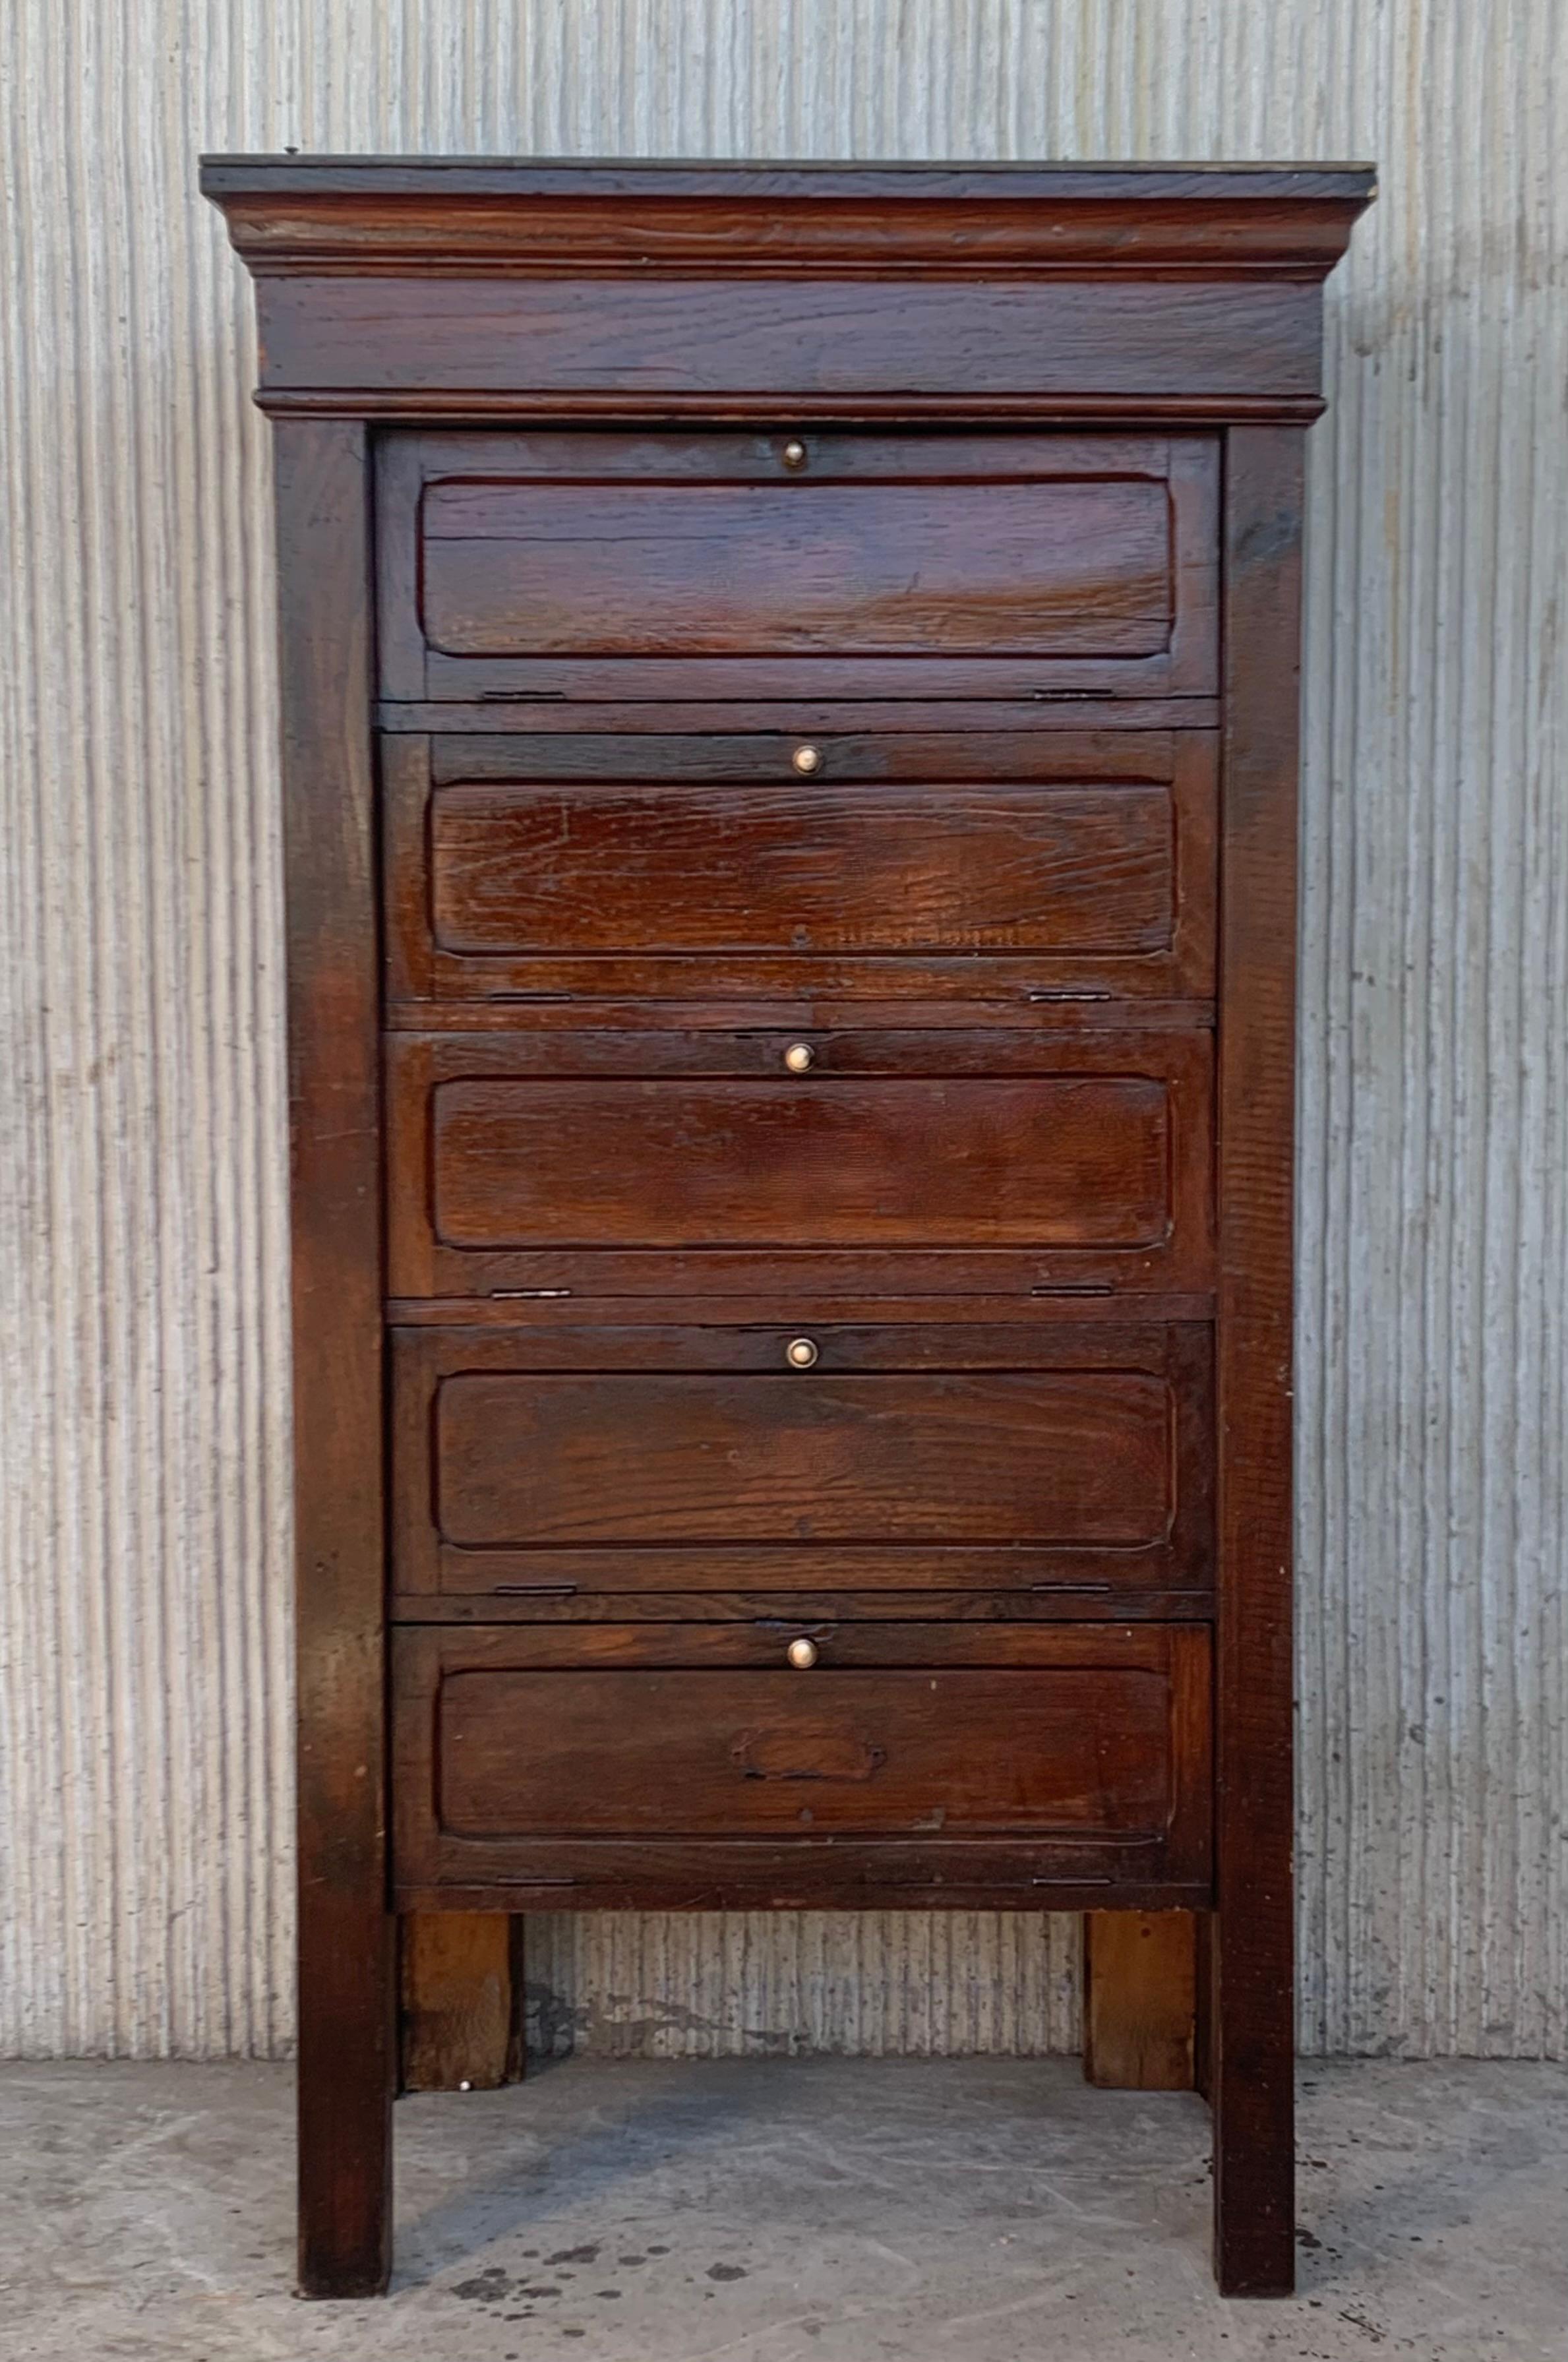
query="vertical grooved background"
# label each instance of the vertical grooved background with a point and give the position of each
(144, 1690)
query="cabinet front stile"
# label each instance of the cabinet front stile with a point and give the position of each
(345, 1931)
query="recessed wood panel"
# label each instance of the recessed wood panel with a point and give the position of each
(1018, 1456)
(793, 868)
(778, 568)
(971, 1752)
(1038, 1160)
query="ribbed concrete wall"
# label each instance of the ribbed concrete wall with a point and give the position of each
(143, 1648)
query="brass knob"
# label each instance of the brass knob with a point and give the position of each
(799, 1352)
(807, 759)
(794, 453)
(800, 1057)
(802, 1655)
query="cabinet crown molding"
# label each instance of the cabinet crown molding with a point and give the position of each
(459, 216)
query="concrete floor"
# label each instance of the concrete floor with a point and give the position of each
(840, 2209)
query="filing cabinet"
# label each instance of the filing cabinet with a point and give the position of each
(789, 743)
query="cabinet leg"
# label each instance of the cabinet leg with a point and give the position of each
(346, 2067)
(1250, 1940)
(1251, 2091)
(462, 2000)
(346, 2060)
(1139, 2000)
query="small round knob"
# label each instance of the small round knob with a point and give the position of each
(802, 1655)
(800, 1057)
(807, 759)
(799, 1352)
(794, 453)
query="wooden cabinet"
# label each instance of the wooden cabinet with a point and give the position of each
(789, 745)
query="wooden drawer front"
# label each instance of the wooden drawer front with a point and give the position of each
(899, 866)
(1069, 1459)
(620, 565)
(1087, 1151)
(627, 1762)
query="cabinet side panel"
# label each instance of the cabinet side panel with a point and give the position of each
(1253, 2031)
(346, 1954)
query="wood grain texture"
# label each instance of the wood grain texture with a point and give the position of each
(817, 566)
(870, 1163)
(737, 565)
(727, 349)
(856, 1754)
(677, 869)
(667, 1762)
(460, 1992)
(1251, 2030)
(697, 1163)
(1054, 868)
(1021, 1457)
(1140, 1999)
(814, 568)
(346, 1977)
(1061, 1461)
(760, 220)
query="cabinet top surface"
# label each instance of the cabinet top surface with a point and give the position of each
(782, 177)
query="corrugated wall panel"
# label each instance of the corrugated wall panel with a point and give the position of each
(144, 1734)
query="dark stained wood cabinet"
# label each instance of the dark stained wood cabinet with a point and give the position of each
(789, 684)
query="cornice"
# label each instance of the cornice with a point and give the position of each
(464, 218)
